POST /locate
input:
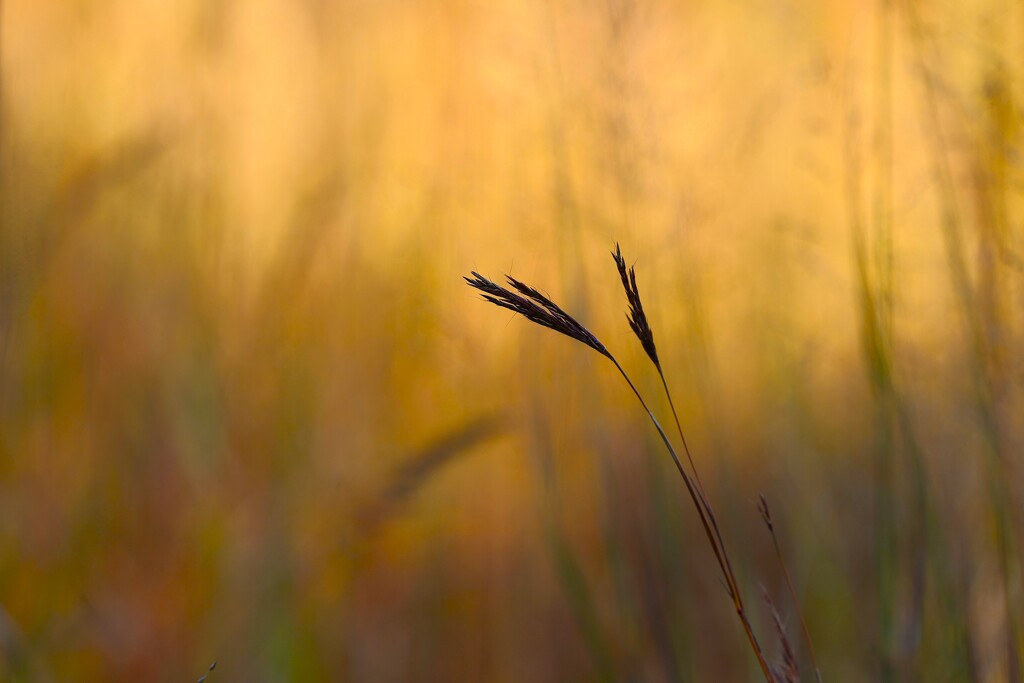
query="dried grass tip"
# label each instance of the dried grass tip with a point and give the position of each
(535, 307)
(636, 316)
(766, 514)
(787, 670)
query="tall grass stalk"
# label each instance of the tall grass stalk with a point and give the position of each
(537, 308)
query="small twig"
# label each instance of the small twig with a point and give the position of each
(202, 679)
(766, 515)
(788, 671)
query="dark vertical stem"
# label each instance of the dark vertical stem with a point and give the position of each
(704, 512)
(679, 426)
(712, 518)
(789, 584)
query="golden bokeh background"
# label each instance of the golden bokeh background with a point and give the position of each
(250, 413)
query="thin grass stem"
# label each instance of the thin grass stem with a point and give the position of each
(708, 521)
(767, 517)
(538, 308)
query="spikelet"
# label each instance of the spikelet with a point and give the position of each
(535, 307)
(636, 316)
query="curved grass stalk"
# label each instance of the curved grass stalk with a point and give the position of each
(538, 308)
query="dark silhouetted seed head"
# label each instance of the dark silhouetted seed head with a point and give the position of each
(637, 318)
(534, 306)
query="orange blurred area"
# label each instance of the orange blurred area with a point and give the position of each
(251, 413)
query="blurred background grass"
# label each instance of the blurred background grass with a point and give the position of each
(250, 413)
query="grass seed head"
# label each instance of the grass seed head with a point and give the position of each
(787, 670)
(535, 307)
(636, 316)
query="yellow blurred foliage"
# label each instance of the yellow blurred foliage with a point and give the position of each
(249, 411)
